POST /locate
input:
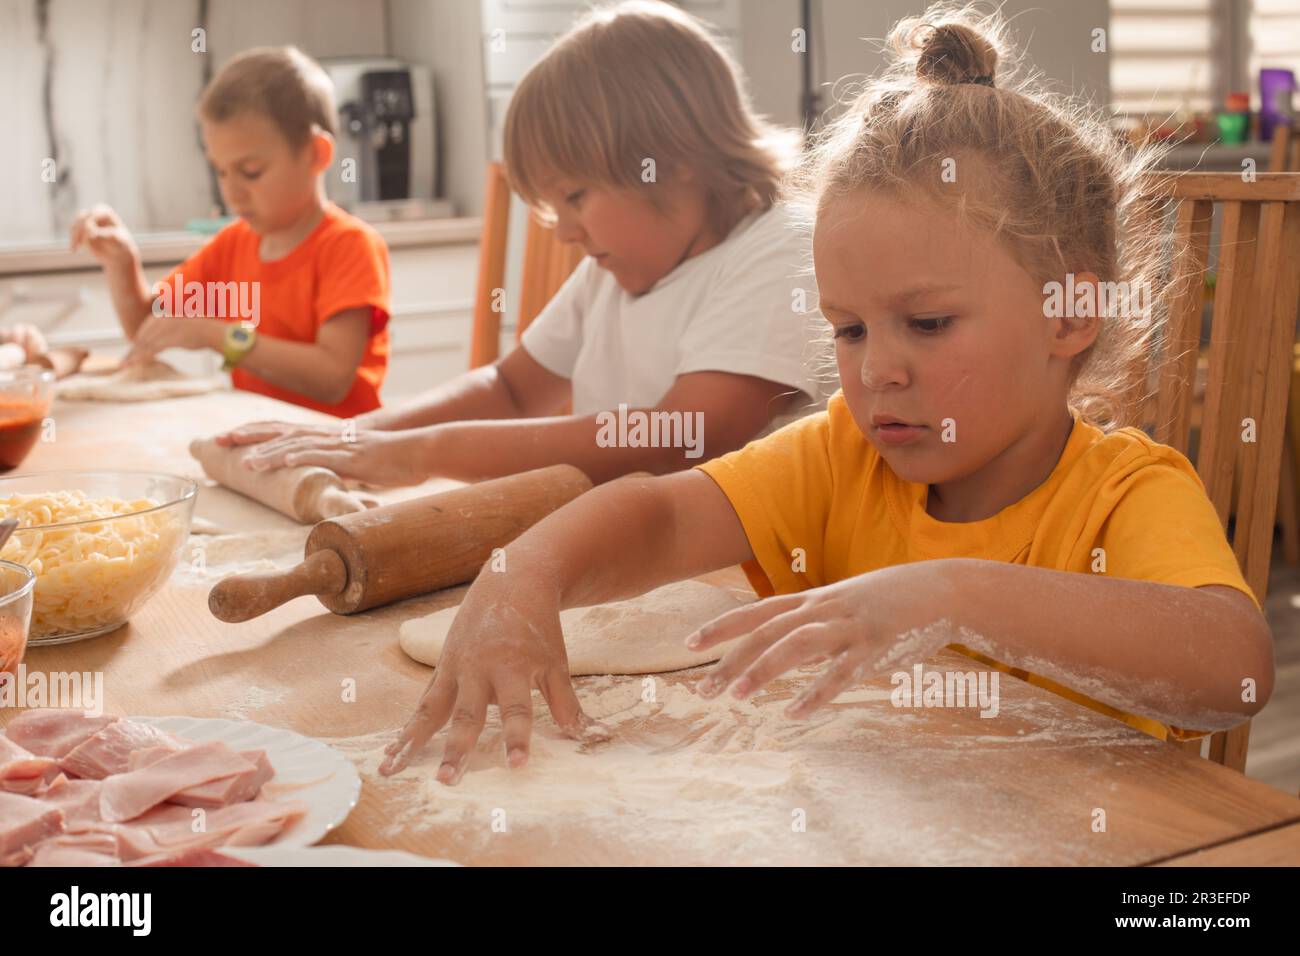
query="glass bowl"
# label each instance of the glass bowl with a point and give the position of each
(16, 583)
(24, 402)
(93, 573)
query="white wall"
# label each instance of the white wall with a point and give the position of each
(446, 36)
(122, 83)
(1055, 34)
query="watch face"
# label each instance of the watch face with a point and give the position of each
(240, 335)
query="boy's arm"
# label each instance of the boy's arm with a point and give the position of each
(131, 299)
(716, 412)
(101, 231)
(323, 370)
(515, 386)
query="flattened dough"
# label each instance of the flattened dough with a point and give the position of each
(643, 635)
(137, 383)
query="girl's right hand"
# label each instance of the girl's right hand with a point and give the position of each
(102, 231)
(505, 640)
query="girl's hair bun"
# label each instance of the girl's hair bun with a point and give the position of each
(948, 53)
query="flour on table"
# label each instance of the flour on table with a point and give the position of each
(251, 701)
(644, 635)
(146, 382)
(689, 780)
(208, 558)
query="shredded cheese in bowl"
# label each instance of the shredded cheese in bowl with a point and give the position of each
(97, 557)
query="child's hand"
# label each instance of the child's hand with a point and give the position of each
(505, 641)
(254, 433)
(102, 231)
(863, 625)
(161, 332)
(381, 459)
(28, 338)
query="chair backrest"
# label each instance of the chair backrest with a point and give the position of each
(1284, 155)
(485, 339)
(547, 264)
(1256, 292)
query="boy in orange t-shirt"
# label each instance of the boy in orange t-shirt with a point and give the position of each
(294, 294)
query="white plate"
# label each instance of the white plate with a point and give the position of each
(331, 782)
(336, 854)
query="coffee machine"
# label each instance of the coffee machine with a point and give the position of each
(386, 149)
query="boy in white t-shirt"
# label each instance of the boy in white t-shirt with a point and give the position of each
(680, 337)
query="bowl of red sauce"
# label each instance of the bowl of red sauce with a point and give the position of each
(16, 584)
(25, 395)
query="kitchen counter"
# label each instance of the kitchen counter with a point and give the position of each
(171, 247)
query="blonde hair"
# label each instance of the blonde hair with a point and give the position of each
(281, 83)
(635, 81)
(1055, 184)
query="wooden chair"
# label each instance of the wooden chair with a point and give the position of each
(1256, 296)
(547, 264)
(1284, 157)
(1284, 154)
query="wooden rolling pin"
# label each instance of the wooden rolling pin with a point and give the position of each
(362, 560)
(306, 493)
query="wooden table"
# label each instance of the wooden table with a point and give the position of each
(1276, 847)
(929, 785)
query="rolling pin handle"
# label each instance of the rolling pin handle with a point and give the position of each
(242, 597)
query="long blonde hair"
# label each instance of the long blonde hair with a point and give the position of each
(637, 81)
(1064, 192)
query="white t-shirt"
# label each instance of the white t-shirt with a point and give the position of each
(728, 309)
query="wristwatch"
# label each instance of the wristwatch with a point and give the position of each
(239, 340)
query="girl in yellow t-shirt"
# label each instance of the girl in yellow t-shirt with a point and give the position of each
(983, 261)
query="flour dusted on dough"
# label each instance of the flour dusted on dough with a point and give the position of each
(644, 635)
(148, 382)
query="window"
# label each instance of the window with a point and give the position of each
(1162, 55)
(1275, 39)
(1167, 54)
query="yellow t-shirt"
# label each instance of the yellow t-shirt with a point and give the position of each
(819, 485)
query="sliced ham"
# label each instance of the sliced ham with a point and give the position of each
(172, 828)
(77, 849)
(228, 790)
(195, 856)
(126, 796)
(78, 799)
(21, 771)
(54, 733)
(24, 823)
(142, 758)
(108, 750)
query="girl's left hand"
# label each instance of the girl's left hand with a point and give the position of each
(864, 625)
(161, 332)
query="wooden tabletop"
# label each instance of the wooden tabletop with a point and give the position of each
(1276, 847)
(1043, 782)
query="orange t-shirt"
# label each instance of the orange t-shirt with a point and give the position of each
(342, 265)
